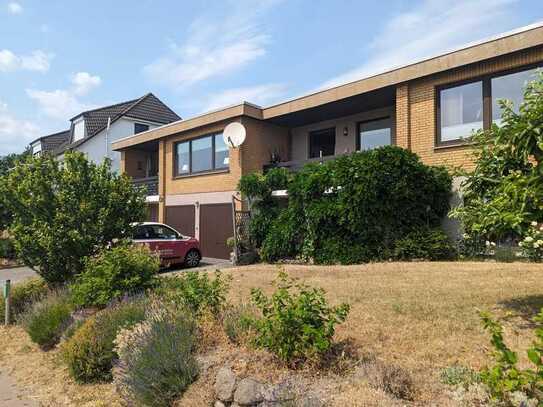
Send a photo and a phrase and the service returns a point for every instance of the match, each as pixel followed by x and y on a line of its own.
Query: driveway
pixel 16 274
pixel 23 273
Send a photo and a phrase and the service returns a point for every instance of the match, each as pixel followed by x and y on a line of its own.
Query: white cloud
pixel 83 82
pixel 15 134
pixel 15 8
pixel 38 61
pixel 429 29
pixel 216 46
pixel 63 104
pixel 260 95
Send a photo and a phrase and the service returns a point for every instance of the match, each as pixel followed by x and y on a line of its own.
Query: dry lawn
pixel 419 316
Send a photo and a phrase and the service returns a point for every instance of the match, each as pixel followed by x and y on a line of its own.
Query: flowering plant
pixel 532 244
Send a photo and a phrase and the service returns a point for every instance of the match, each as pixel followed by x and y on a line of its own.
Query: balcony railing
pixel 150 184
pixel 296 165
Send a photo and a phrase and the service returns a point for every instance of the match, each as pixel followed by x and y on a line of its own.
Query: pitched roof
pixel 147 107
pixel 53 141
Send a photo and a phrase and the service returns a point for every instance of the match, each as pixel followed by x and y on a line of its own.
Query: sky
pixel 59 58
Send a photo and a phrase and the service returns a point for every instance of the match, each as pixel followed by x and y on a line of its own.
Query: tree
pixel 504 192
pixel 66 211
pixel 6 164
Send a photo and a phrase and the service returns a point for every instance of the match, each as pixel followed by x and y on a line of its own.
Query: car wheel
pixel 192 258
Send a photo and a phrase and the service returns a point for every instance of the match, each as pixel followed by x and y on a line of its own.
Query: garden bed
pixel 421 317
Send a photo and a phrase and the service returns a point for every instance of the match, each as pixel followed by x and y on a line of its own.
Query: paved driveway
pixel 16 274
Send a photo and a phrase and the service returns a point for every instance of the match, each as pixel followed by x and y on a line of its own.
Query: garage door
pixel 215 228
pixel 181 218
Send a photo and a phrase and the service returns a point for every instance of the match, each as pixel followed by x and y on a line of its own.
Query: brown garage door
pixel 215 228
pixel 181 218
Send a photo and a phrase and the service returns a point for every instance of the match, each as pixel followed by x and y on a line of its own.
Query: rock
pixel 248 392
pixel 219 403
pixel 225 384
pixel 310 402
pixel 278 393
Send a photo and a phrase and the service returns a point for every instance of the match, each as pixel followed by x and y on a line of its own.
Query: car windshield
pixel 154 232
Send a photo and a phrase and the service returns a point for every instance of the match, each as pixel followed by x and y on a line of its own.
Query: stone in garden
pixel 311 402
pixel 219 404
pixel 277 393
pixel 248 392
pixel 225 384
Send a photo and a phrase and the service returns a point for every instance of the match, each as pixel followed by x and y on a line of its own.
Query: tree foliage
pixel 7 163
pixel 66 211
pixel 504 192
pixel 348 210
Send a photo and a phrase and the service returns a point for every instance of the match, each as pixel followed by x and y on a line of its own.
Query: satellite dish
pixel 234 134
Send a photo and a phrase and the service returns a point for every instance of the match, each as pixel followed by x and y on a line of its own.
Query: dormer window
pixel 79 130
pixel 36 148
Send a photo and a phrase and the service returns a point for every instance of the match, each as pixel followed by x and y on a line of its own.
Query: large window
pixel 374 133
pixel 322 143
pixel 472 106
pixel 461 110
pixel 510 87
pixel 202 154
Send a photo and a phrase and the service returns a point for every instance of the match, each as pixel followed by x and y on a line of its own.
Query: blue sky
pixel 58 58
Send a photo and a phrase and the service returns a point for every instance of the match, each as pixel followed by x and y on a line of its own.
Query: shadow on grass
pixel 524 307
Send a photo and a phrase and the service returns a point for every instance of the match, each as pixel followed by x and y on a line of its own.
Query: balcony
pixel 150 184
pixel 297 165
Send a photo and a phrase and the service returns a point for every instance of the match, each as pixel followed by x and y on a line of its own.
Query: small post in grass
pixel 7 289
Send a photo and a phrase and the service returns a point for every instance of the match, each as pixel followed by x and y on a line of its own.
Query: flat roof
pixel 512 41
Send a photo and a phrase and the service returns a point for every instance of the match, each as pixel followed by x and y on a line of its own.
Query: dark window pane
pixel 461 111
pixel 183 165
pixel 322 142
pixel 202 154
pixel 138 128
pixel 375 133
pixel 510 87
pixel 221 152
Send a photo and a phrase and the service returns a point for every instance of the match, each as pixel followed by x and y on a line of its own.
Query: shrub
pixel 45 321
pixel 346 210
pixel 297 324
pixel 156 364
pixel 23 295
pixel 532 244
pixel 238 321
pixel 90 352
pixel 459 376
pixel 115 272
pixel 392 379
pixel 7 249
pixel 505 379
pixel 63 212
pixel 196 291
pixel 426 244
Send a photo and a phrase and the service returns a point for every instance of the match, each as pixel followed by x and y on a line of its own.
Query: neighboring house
pixel 50 143
pixel 93 131
pixel 428 107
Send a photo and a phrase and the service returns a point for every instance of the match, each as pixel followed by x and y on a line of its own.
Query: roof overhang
pixel 244 109
pixel 504 44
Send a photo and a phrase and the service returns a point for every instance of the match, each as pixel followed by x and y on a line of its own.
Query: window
pixel 140 128
pixel 322 143
pixel 374 133
pixel 510 87
pixel 155 232
pixel 79 130
pixel 461 111
pixel 473 106
pixel 202 154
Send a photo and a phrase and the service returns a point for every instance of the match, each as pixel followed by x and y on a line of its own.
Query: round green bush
pixel 7 249
pixel 425 244
pixel 115 272
pixel 47 319
pixel 90 352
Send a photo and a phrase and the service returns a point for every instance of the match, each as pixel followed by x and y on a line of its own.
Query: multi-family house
pixel 93 131
pixel 428 107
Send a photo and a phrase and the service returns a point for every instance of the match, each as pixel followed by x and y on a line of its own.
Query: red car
pixel 171 246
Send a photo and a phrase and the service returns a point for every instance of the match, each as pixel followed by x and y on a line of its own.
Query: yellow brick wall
pixel 421 117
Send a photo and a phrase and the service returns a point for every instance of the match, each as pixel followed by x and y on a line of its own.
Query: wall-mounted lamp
pixel 345 131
